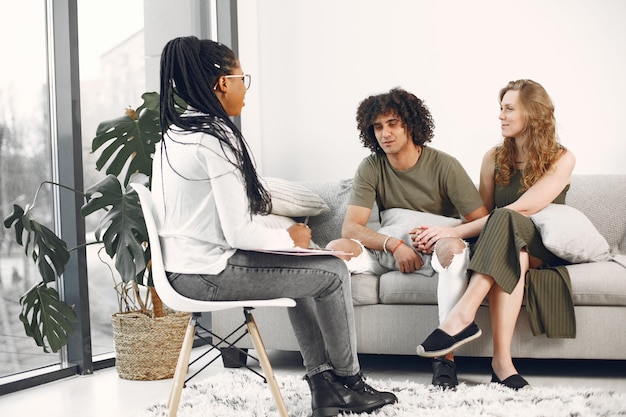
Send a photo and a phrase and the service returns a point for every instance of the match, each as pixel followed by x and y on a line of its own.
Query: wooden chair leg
pixel 265 363
pixel 181 368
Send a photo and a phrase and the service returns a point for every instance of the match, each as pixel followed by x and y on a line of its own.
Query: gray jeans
pixel 323 318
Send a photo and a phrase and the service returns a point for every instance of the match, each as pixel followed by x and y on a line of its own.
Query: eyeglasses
pixel 245 78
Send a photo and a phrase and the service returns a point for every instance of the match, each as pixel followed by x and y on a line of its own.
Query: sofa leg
pixel 234 357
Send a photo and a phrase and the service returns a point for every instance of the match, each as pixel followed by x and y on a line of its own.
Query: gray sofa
pixel 395 312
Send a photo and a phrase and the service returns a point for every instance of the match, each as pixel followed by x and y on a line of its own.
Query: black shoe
pixel 444 373
pixel 330 397
pixel 440 343
pixel 515 382
pixel 357 383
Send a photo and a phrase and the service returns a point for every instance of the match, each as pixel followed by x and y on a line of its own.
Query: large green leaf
pixel 49 253
pixel 129 140
pixel 122 229
pixel 46 318
pixel 16 217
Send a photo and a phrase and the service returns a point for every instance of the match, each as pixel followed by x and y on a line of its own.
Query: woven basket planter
pixel 147 348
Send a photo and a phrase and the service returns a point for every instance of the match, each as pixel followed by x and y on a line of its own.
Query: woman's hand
pixel 425 237
pixel 300 234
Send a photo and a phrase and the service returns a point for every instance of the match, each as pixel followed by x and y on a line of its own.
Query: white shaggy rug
pixel 239 393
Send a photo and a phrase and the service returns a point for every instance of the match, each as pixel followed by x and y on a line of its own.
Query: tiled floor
pixel 105 394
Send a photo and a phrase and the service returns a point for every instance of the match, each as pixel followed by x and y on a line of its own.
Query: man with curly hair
pixel 402 173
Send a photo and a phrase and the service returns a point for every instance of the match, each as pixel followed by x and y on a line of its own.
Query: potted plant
pixel 126 145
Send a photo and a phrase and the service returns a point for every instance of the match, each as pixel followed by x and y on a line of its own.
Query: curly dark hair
pixel 412 111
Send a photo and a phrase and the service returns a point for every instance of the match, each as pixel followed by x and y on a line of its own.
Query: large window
pixel 62 59
pixel 112 78
pixel 25 161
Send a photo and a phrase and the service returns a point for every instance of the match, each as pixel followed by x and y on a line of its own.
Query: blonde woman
pixel 529 170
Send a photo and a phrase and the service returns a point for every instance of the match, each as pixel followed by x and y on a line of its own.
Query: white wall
pixel 313 61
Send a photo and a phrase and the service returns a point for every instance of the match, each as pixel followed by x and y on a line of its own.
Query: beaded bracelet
pixel 385 244
pixel 397 246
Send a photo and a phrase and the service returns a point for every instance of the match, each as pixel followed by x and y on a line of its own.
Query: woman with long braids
pixel 525 173
pixel 208 191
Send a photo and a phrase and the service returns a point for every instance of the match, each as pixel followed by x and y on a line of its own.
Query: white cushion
pixel 398 222
pixel 294 200
pixel 570 235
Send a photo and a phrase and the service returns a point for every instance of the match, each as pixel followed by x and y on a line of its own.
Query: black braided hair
pixel 411 110
pixel 190 68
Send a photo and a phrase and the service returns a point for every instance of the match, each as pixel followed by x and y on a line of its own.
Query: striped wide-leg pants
pixel 548 294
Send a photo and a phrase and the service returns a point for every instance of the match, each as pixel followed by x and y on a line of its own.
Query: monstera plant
pixel 126 145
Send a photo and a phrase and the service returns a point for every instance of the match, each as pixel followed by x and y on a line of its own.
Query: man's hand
pixel 407 259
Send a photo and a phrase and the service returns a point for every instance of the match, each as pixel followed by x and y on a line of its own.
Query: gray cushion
pixel 364 289
pixel 398 288
pixel 327 226
pixel 598 283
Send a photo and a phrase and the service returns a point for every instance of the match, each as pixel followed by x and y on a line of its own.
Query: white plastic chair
pixel 179 302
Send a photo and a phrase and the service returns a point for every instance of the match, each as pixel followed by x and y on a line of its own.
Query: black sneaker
pixel 444 373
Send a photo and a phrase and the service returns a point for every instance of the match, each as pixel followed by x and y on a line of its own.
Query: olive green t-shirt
pixel 437 184
pixel 505 195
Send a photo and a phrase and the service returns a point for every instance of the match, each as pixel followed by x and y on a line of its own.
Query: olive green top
pixel 436 184
pixel 505 195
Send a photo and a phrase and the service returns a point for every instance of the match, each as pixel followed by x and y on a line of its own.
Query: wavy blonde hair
pixel 542 142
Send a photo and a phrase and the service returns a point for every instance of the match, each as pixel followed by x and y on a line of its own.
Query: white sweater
pixel 203 206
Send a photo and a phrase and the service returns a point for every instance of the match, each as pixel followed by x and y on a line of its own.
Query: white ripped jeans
pixel 452 280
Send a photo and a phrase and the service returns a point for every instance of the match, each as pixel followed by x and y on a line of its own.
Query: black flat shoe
pixel 515 382
pixel 440 343
pixel 444 373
